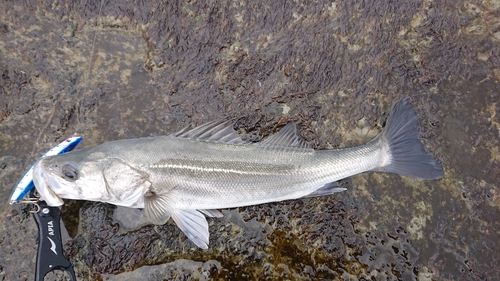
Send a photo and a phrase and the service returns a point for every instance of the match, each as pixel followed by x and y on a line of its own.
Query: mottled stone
pixel 120 69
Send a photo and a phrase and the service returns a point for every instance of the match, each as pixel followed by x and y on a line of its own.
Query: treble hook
pixel 33 202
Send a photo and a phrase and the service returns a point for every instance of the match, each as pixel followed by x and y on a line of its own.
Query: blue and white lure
pixel 26 184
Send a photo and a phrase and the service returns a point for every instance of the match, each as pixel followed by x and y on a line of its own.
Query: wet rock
pixel 112 70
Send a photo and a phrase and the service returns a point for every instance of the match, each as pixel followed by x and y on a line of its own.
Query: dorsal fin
pixel 215 131
pixel 286 137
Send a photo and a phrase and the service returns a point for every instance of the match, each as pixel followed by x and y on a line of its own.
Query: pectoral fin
pixel 194 225
pixel 157 207
pixel 192 222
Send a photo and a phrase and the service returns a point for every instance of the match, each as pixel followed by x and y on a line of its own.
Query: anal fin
pixel 326 189
pixel 212 213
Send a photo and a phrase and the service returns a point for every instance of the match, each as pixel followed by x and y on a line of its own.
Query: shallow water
pixel 334 68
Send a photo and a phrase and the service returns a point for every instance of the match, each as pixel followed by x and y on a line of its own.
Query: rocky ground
pixel 121 69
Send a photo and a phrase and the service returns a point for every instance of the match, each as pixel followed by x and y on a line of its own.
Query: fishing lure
pixel 26 184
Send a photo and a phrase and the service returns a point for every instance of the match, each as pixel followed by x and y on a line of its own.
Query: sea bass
pixel 190 174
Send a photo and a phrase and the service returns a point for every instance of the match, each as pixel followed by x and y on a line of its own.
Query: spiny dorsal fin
pixel 286 137
pixel 215 131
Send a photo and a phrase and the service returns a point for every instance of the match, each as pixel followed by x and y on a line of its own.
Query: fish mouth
pixel 42 185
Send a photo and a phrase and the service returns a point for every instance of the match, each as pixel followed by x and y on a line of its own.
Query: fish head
pixel 88 175
pixel 73 176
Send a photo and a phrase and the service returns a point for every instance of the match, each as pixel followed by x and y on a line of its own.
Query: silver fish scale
pixel 200 174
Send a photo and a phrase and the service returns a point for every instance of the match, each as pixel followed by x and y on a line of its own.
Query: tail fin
pixel 407 155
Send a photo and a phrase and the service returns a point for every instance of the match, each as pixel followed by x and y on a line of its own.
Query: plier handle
pixel 50 252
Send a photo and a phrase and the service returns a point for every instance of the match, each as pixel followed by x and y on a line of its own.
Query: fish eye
pixel 69 172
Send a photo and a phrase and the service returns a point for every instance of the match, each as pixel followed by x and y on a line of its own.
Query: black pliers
pixel 50 253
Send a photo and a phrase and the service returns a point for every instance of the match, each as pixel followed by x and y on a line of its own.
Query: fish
pixel 26 183
pixel 189 175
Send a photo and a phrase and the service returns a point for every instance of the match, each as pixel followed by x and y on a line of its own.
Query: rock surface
pixel 122 69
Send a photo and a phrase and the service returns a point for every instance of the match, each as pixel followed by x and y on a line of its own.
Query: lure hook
pixel 33 202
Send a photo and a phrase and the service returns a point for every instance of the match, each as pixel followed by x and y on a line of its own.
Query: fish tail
pixel 405 153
